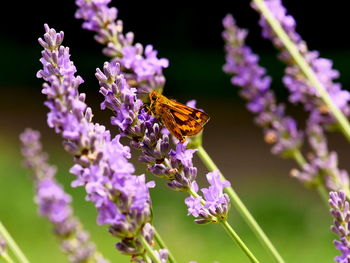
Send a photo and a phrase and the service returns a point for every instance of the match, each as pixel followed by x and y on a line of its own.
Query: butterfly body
pixel 182 121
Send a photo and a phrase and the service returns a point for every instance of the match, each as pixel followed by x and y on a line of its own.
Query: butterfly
pixel 182 121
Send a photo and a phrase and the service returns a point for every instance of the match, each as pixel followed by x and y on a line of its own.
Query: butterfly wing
pixel 169 121
pixel 186 124
pixel 180 119
pixel 199 116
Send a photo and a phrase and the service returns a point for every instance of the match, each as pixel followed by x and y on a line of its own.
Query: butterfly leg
pixel 147 108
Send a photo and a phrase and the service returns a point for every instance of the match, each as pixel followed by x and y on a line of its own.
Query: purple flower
pixel 145 132
pixel 323 164
pixel 144 67
pixel 148 233
pixel 280 130
pixel 181 162
pixel 121 198
pixel 141 65
pixel 117 84
pixel 119 97
pixel 341 219
pixel 54 203
pixel 214 205
pixel 191 104
pixel 299 87
pixel 148 136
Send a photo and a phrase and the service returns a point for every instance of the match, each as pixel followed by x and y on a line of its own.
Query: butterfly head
pixel 154 96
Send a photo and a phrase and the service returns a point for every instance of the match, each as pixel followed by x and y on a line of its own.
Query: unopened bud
pixel 270 137
pixel 294 172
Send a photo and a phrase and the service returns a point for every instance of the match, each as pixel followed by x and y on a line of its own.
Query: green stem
pixel 242 209
pixel 149 250
pixel 194 194
pixel 12 245
pixel 304 66
pixel 161 244
pixel 336 179
pixel 299 158
pixel 147 259
pixel 230 231
pixel 239 241
pixel 323 193
pixel 347 193
pixel 6 257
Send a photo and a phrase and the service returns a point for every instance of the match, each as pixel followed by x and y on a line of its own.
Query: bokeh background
pixel 188 34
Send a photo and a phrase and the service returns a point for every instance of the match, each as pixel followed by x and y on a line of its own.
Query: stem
pixel 323 193
pixel 335 178
pixel 230 231
pixel 321 189
pixel 12 245
pixel 304 66
pixel 239 242
pixel 194 194
pixel 149 250
pixel 162 245
pixel 147 259
pixel 298 157
pixel 242 209
pixel 347 193
pixel 7 258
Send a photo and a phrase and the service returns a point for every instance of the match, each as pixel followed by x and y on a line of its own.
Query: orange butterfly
pixel 180 120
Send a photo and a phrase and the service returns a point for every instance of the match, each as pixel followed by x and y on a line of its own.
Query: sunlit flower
pixel 101 162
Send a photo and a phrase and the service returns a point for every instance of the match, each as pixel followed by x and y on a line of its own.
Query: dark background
pixel 188 34
pixel 178 31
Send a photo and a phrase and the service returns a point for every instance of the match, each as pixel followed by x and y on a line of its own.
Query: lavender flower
pixel 121 198
pixel 299 87
pixel 341 219
pixel 280 130
pixel 323 165
pixel 145 132
pixel 54 203
pixel 148 233
pixel 147 135
pixel 115 81
pixel 215 204
pixel 141 65
pixel 119 97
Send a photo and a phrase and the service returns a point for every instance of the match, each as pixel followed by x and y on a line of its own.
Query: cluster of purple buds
pixel 298 85
pixel 147 136
pixel 117 81
pixel 148 233
pixel 54 203
pixel 121 198
pixel 145 132
pixel 214 205
pixel 279 129
pixel 322 166
pixel 141 66
pixel 341 219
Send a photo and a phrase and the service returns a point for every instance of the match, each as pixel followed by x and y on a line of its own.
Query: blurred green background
pixel 293 217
